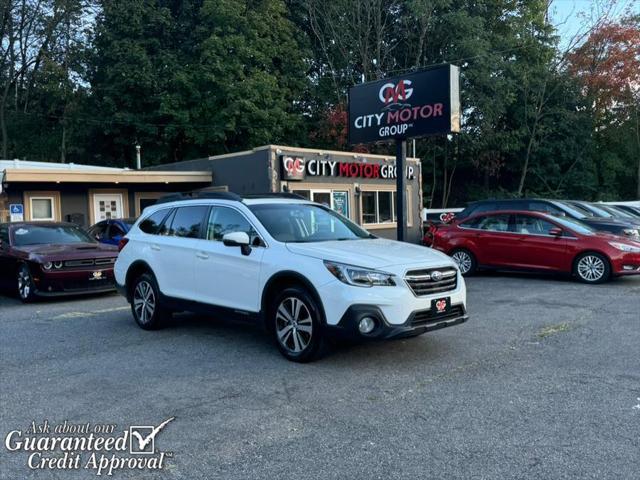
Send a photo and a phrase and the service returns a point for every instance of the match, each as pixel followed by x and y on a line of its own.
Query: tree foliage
pixel 87 80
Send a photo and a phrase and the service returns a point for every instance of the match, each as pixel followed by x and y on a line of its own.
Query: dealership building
pixel 85 194
pixel 360 186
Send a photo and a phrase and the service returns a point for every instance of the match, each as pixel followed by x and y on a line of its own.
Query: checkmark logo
pixel 142 438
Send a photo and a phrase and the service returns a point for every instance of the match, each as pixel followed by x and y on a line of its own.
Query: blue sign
pixel 16 209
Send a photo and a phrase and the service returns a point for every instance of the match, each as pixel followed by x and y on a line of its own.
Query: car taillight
pixel 121 244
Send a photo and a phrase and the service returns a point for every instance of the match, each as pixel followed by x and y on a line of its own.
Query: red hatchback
pixel 521 240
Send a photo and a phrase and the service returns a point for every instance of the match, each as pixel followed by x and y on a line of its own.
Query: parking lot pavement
pixel 542 382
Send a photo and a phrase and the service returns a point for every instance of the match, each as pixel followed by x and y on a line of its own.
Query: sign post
pixel 401 221
pixel 412 105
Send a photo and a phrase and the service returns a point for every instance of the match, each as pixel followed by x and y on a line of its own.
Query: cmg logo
pixel 390 93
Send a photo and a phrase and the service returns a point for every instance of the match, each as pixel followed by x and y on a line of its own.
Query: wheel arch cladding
pixel 136 269
pixel 282 280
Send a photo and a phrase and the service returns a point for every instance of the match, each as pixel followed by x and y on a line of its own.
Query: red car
pixel 47 259
pixel 522 240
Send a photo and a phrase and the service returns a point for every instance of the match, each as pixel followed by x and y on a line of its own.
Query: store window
pixel 42 208
pixel 378 207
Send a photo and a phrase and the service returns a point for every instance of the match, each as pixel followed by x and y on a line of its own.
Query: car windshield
pixel 575 225
pixel 600 212
pixel 617 212
pixel 569 209
pixel 306 222
pixel 54 234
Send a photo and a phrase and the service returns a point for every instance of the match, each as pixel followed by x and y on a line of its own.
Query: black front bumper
pixel 419 322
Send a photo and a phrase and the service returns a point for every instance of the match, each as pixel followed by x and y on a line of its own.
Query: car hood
pixel 372 253
pixel 608 222
pixel 69 251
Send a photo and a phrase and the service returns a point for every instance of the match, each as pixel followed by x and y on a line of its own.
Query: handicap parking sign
pixel 17 212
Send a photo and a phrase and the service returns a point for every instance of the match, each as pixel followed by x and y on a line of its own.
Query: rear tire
pixel 592 268
pixel 26 288
pixel 296 324
pixel 146 308
pixel 465 260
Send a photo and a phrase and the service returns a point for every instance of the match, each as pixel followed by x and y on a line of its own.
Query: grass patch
pixel 553 329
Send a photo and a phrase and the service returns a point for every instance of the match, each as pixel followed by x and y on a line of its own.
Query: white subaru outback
pixel 299 267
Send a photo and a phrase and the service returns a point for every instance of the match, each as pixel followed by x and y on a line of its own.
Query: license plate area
pixel 440 306
pixel 97 275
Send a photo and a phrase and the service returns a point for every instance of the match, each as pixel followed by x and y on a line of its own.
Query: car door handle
pixel 202 255
pixel 155 247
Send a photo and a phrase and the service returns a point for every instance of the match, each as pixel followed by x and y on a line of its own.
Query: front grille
pixel 82 285
pixel 432 280
pixel 426 317
pixel 105 261
pixel 89 262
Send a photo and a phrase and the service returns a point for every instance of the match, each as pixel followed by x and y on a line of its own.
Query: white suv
pixel 298 266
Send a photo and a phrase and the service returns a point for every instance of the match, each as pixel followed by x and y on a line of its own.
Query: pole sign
pixel 411 105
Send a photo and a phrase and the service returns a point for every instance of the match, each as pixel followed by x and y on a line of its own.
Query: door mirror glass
pixel 236 239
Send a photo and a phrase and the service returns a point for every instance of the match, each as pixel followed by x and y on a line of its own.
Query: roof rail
pixel 292 196
pixel 174 197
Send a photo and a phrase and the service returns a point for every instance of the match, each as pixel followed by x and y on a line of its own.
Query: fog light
pixel 366 325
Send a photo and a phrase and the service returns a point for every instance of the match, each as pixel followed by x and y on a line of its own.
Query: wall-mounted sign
pixel 412 105
pixel 293 168
pixel 16 211
pixel 297 168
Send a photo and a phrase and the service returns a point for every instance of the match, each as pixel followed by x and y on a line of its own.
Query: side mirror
pixel 556 232
pixel 237 239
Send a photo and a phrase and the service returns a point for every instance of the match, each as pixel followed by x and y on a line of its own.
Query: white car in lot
pixel 302 269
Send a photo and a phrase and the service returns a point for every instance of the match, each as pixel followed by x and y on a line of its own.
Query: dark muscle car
pixel 50 259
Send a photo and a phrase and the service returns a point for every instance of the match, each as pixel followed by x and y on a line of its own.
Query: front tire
pixel 466 261
pixel 145 303
pixel 25 286
pixel 592 268
pixel 295 321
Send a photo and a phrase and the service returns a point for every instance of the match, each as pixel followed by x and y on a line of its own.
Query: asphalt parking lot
pixel 542 382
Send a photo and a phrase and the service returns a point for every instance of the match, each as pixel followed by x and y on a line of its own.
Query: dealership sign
pixel 298 168
pixel 412 105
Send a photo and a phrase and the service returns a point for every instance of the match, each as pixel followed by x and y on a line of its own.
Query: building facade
pixel 85 194
pixel 361 187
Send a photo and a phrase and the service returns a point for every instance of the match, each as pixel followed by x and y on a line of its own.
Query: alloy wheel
pixel 294 325
pixel 24 283
pixel 591 268
pixel 463 260
pixel 144 301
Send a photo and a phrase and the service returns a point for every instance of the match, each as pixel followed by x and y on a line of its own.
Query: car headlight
pixel 358 276
pixel 57 264
pixel 47 265
pixel 625 247
pixel 631 232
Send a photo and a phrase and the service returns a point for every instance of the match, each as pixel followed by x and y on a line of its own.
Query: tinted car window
pixel 152 223
pixel 187 220
pixel 98 230
pixel 494 223
pixel 116 230
pixel 223 220
pixel 531 225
